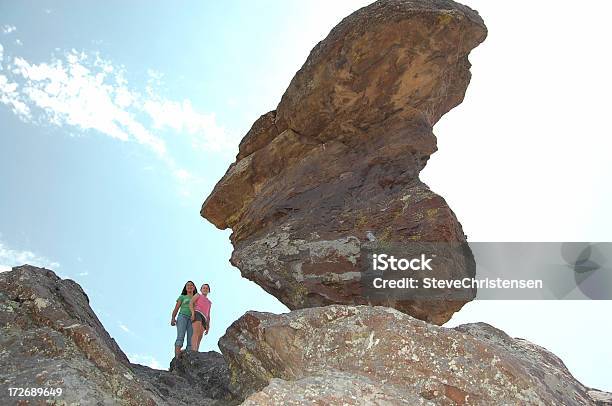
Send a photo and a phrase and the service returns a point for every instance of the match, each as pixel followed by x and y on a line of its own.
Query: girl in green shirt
pixel 183 322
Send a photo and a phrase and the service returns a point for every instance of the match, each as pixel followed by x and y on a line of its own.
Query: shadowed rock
pixel 194 379
pixel 341 353
pixel 337 164
pixel 207 372
pixel 51 338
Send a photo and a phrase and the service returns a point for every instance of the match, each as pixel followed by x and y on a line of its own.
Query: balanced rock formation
pixel 339 355
pixel 51 338
pixel 333 173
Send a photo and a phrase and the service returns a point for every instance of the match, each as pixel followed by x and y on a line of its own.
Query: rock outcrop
pixel 51 338
pixel 333 172
pixel 193 379
pixel 206 371
pixel 334 355
pixel 363 355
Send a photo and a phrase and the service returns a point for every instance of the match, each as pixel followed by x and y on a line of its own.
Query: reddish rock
pixel 347 354
pixel 337 164
pixel 333 389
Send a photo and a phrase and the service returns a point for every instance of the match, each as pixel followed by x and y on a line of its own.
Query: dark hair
pixel 184 292
pixel 206 285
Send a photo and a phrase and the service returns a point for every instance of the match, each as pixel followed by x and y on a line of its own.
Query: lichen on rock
pixel 340 353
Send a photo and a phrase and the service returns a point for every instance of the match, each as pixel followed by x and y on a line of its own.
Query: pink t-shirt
pixel 202 304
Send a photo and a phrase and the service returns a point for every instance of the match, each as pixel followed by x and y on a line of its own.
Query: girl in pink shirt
pixel 200 315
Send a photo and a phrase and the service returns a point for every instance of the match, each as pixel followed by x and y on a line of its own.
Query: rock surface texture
pixel 335 168
pixel 50 337
pixel 193 379
pixel 206 371
pixel 334 355
pixel 360 355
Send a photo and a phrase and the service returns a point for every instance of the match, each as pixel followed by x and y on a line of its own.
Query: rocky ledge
pixel 377 355
pixel 334 170
pixel 333 355
pixel 50 337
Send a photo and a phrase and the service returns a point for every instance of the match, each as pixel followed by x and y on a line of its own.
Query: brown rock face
pixel 361 355
pixel 337 164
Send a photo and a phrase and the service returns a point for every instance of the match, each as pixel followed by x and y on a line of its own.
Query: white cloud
pixel 205 133
pixel 187 183
pixel 10 97
pixel 7 29
pixel 87 93
pixel 83 273
pixel 146 360
pixel 12 257
pixel 72 93
pixel 124 327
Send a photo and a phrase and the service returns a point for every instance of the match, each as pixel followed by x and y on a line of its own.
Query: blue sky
pixel 108 192
pixel 117 121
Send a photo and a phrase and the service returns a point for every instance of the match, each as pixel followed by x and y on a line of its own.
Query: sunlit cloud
pixel 10 257
pixel 124 327
pixel 205 133
pixel 10 97
pixel 86 93
pixel 80 93
pixel 7 29
pixel 146 360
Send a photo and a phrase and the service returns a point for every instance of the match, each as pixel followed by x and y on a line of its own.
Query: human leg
pixel 181 328
pixel 201 321
pixel 197 331
pixel 189 333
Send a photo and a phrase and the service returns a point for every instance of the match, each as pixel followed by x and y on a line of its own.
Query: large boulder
pixel 333 173
pixel 358 352
pixel 51 338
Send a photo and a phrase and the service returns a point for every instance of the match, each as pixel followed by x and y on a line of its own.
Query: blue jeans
pixel 183 324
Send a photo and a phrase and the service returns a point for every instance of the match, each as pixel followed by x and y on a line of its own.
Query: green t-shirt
pixel 184 300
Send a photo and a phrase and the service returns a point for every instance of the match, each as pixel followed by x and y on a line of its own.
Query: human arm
pixel 174 312
pixel 191 306
pixel 207 324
